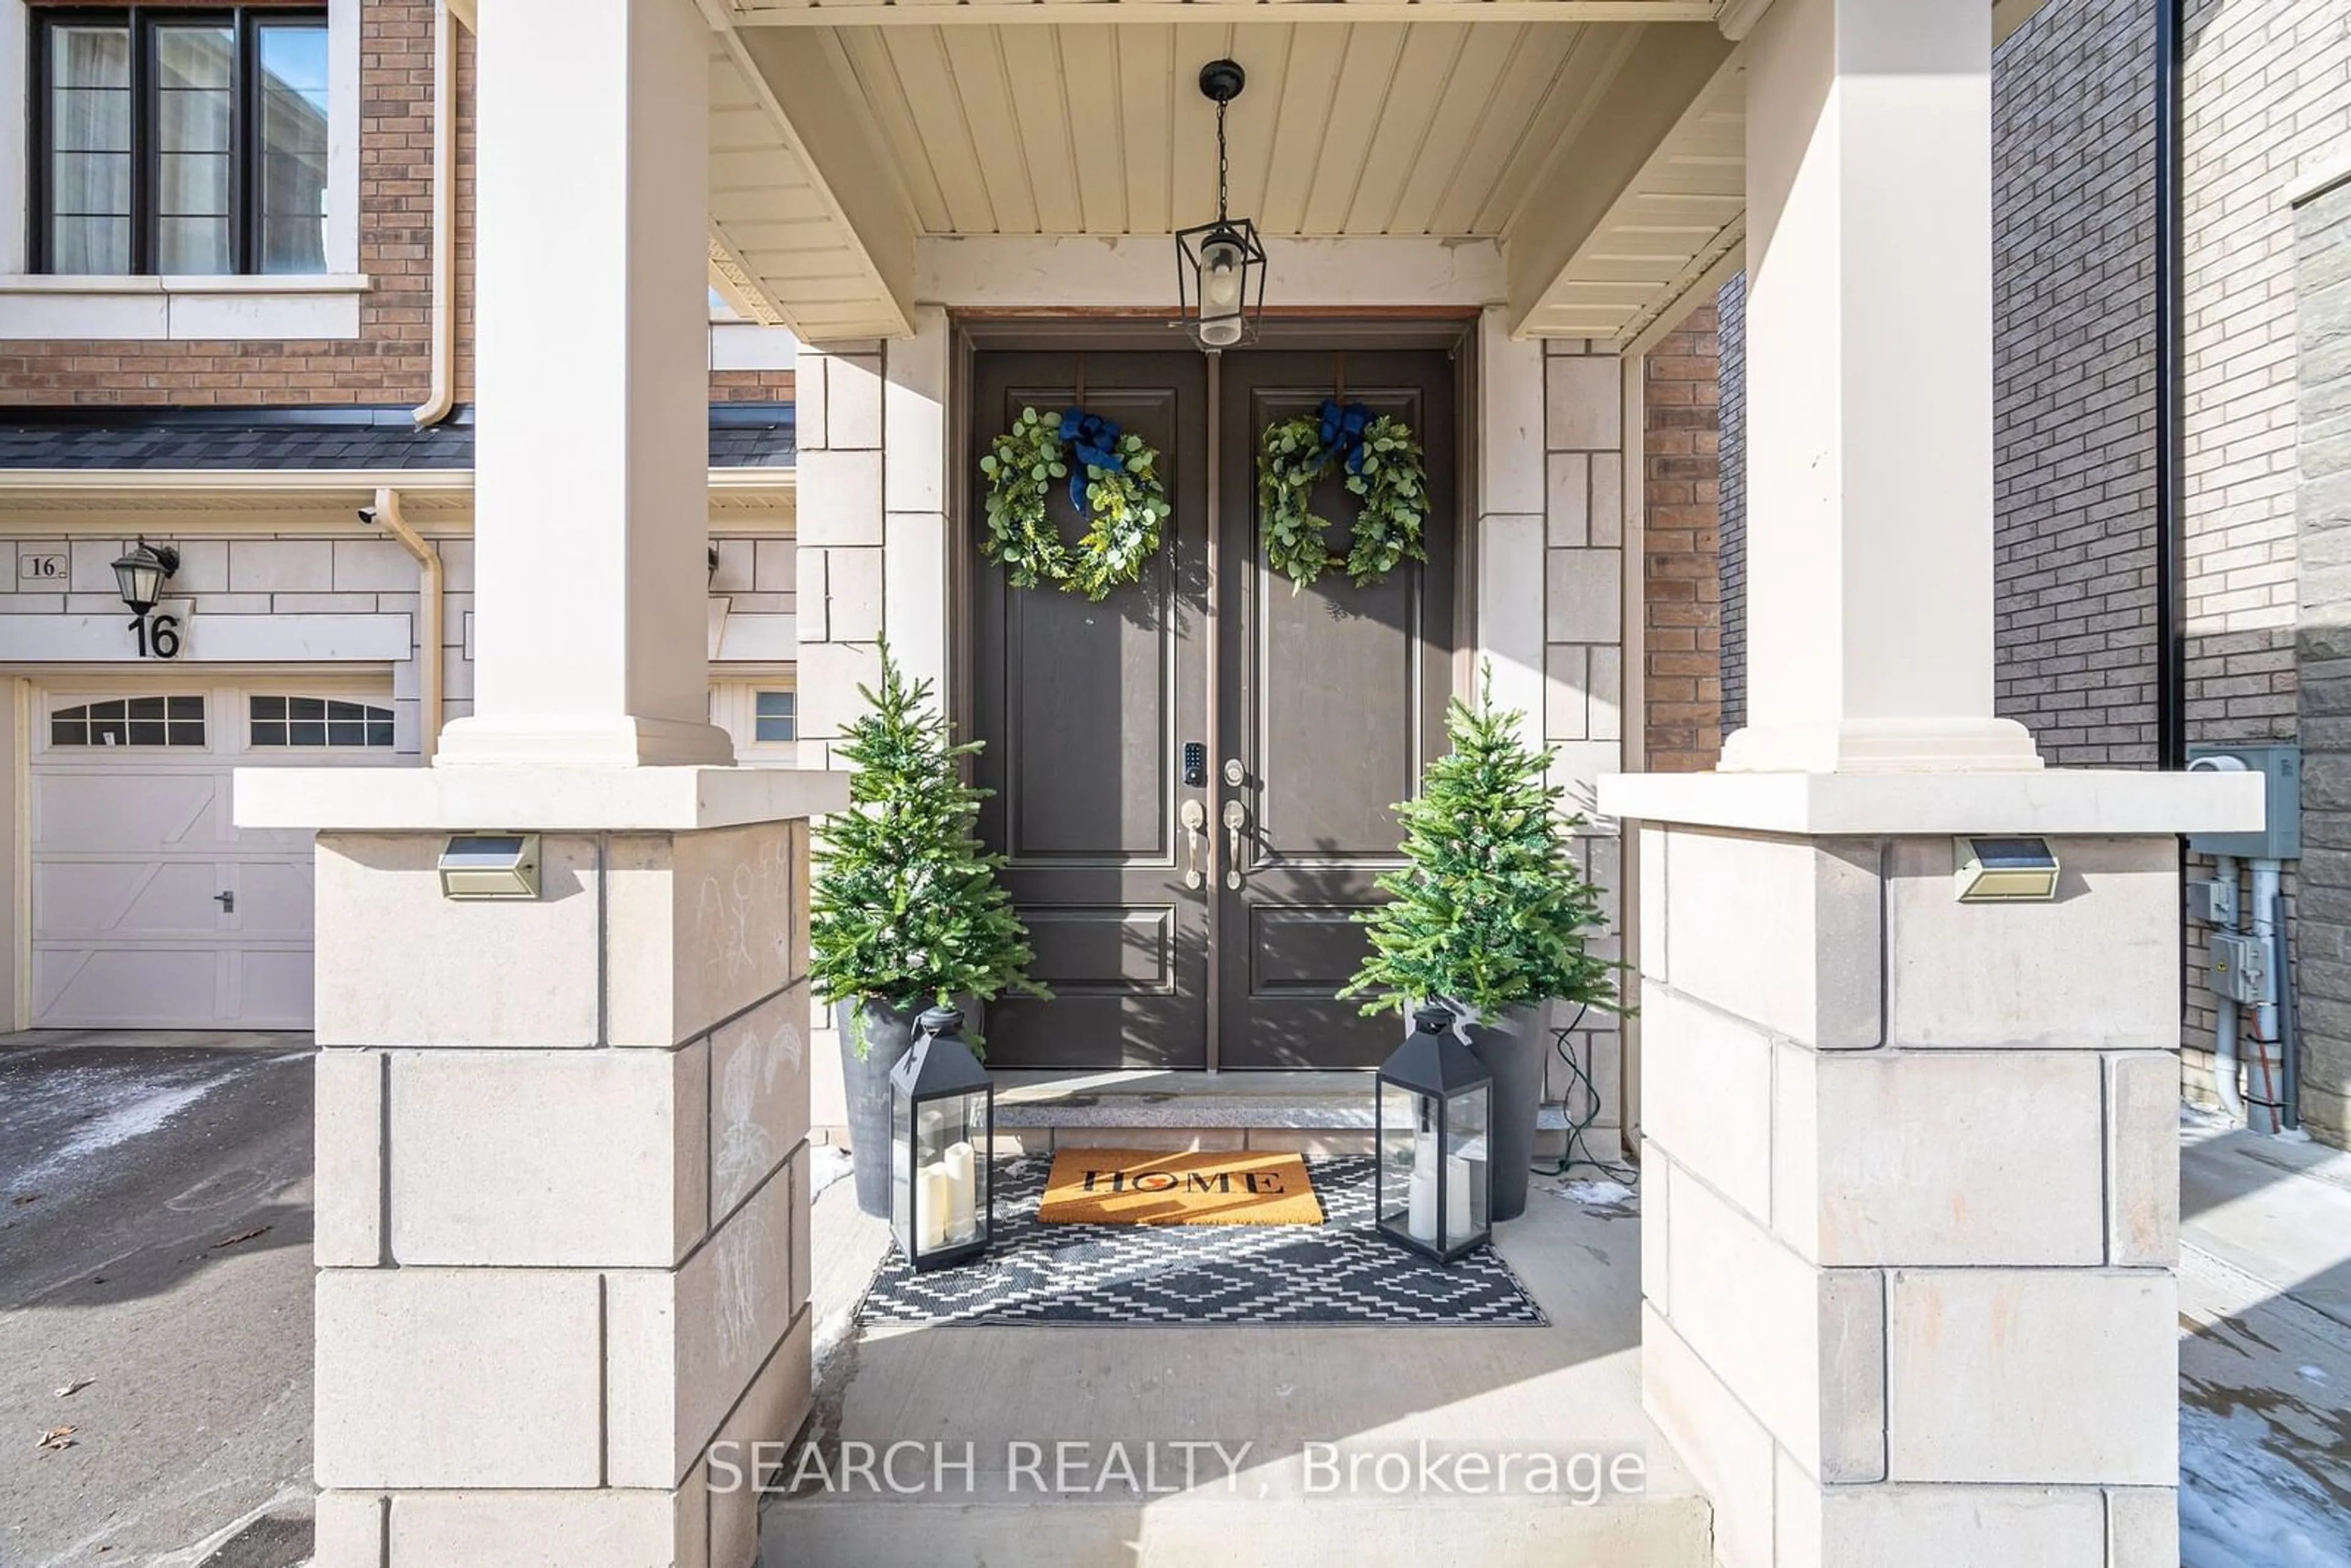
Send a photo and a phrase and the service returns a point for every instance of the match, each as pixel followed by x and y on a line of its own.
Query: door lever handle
pixel 1194 817
pixel 227 901
pixel 1235 821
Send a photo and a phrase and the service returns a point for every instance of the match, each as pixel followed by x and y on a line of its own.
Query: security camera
pixel 367 515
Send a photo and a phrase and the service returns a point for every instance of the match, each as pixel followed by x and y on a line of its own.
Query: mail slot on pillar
pixel 942 1126
pixel 1433 1186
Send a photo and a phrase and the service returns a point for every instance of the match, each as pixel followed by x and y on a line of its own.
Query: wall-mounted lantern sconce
pixel 142 572
pixel 1221 265
pixel 490 865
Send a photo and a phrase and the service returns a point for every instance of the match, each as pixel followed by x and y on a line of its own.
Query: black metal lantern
pixel 942 1126
pixel 1221 265
pixel 1433 1182
pixel 140 574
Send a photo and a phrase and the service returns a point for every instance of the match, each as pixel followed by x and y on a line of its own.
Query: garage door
pixel 151 908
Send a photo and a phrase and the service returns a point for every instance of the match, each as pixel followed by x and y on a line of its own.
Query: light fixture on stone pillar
pixel 1432 1186
pixel 1221 265
pixel 140 574
pixel 942 1126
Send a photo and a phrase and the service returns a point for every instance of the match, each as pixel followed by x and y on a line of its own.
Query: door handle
pixel 1235 821
pixel 227 901
pixel 1194 817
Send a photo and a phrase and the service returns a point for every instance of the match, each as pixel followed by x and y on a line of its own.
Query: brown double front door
pixel 1193 803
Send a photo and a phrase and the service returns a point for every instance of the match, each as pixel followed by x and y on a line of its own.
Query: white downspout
pixel 441 393
pixel 2224 1028
pixel 2263 1115
pixel 428 618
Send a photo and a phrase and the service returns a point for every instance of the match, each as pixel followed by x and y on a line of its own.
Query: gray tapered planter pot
pixel 1511 1045
pixel 889 1034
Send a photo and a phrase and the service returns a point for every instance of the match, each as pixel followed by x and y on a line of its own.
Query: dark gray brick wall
pixel 2323 652
pixel 1730 311
pixel 2074 471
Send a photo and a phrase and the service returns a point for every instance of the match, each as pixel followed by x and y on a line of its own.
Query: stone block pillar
pixel 562 1162
pixel 1910 1188
pixel 562 1158
pixel 1910 1178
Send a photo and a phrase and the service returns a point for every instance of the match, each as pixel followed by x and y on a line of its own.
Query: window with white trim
pixel 774 717
pixel 293 721
pixel 171 141
pixel 130 721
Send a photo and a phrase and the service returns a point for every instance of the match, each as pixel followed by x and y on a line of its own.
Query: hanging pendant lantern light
pixel 1221 265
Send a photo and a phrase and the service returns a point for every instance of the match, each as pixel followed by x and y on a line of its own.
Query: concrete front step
pixel 1570 1389
pixel 1194 1530
pixel 1302 1112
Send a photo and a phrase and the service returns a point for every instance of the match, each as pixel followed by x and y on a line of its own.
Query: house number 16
pixel 159 636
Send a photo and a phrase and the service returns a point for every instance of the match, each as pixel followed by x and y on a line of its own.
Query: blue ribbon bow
pixel 1343 432
pixel 1095 440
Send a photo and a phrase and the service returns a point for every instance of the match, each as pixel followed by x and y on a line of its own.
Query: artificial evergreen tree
pixel 1489 908
pixel 904 908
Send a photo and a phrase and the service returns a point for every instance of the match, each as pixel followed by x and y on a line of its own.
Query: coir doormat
pixel 1161 1276
pixel 1155 1186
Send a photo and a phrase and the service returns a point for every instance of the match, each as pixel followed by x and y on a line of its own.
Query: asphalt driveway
pixel 155 1261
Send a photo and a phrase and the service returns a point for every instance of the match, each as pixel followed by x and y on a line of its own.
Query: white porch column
pixel 1909 1179
pixel 1869 636
pixel 591 344
pixel 563 1183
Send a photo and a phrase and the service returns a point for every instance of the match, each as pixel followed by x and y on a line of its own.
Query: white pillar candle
pixel 1424 1154
pixel 934 1199
pixel 962 1177
pixel 1457 1200
pixel 1420 1215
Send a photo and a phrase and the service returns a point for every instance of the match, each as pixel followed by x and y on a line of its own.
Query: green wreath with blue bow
pixel 1113 479
pixel 1382 461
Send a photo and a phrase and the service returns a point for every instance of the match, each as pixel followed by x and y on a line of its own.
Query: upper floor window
pixel 176 142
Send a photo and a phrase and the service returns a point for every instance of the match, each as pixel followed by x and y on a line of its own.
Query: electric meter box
pixel 2281 834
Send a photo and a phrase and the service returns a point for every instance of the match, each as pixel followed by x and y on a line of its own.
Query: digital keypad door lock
pixel 1196 765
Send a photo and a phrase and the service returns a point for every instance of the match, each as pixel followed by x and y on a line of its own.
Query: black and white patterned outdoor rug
pixel 1340 1271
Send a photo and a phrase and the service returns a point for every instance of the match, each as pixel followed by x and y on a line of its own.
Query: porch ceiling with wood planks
pixel 1601 143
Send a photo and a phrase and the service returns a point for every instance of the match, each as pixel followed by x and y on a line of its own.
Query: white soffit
pixel 829 253
pixel 1372 129
pixel 1628 263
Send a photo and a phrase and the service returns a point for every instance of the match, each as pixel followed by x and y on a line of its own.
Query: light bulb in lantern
pixel 1220 276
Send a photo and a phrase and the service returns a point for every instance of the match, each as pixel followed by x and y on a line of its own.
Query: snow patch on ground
pixel 91 1112
pixel 831 1330
pixel 2242 1506
pixel 1596 1193
pixel 827 1165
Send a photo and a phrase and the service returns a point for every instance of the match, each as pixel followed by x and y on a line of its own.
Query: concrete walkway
pixel 1273 1396
pixel 133 1166
pixel 155 1259
pixel 2264 1352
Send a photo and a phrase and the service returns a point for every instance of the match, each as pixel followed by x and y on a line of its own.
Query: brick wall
pixel 1681 589
pixel 2074 399
pixel 2323 948
pixel 750 386
pixel 2267 93
pixel 390 361
pixel 2268 88
pixel 1730 525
